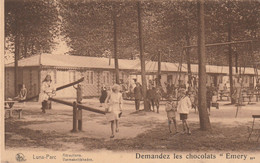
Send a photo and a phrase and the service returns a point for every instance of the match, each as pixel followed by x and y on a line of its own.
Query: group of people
pixel 185 99
pixel 181 105
pixel 113 101
pixel 114 105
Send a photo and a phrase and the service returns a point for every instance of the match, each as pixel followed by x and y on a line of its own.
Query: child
pixel 183 108
pixel 47 90
pixel 79 93
pixel 215 100
pixel 193 95
pixel 171 108
pixel 151 97
pixel 103 96
pixel 22 94
pixel 158 96
pixel 114 102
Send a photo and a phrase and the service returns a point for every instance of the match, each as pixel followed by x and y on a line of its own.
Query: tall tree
pixel 95 21
pixel 114 12
pixel 30 27
pixel 203 113
pixel 142 59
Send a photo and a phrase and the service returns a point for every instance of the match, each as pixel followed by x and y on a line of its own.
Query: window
pixel 72 76
pixel 106 77
pixel 89 77
pixel 246 79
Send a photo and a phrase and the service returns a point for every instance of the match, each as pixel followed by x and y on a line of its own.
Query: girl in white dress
pixel 114 103
pixel 47 90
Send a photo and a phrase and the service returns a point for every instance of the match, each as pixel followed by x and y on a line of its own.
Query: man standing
pixel 138 95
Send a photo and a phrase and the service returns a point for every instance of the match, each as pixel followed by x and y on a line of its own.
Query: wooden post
pixel 75 121
pixel 203 113
pixel 10 113
pixel 79 118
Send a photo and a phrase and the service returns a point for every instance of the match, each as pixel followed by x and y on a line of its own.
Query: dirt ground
pixel 138 131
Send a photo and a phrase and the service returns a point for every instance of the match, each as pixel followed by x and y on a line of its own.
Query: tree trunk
pixel 115 44
pixel 159 69
pixel 188 52
pixel 16 58
pixel 32 48
pixel 25 46
pixel 236 62
pixel 203 113
pixel 142 59
pixel 230 65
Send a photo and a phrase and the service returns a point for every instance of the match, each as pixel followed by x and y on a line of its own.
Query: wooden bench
pixel 223 94
pixel 253 129
pixel 10 111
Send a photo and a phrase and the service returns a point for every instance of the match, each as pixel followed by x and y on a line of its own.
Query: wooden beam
pixel 220 43
pixel 59 88
pixel 80 106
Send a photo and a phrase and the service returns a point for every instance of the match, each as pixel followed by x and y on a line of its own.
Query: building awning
pixel 79 62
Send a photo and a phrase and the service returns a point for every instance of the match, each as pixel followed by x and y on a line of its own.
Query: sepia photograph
pixel 130 81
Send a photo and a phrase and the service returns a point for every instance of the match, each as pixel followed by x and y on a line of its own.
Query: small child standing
pixel 171 108
pixel 183 108
pixel 79 93
pixel 103 96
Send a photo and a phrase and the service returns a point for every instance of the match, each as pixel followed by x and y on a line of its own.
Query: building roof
pixel 70 61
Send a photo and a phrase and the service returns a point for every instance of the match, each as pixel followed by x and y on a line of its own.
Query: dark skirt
pixel 183 116
pixel 103 96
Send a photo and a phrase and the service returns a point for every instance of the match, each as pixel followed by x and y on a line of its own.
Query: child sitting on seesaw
pixel 171 109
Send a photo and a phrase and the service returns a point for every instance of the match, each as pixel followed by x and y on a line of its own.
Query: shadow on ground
pixel 221 137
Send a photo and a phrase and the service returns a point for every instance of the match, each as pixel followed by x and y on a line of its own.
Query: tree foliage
pixel 32 23
pixel 167 27
pixel 243 17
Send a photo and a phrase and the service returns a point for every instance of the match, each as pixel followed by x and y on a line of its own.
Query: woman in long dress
pixel 47 90
pixel 114 103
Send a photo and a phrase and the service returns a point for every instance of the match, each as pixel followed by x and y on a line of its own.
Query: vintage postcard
pixel 130 81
